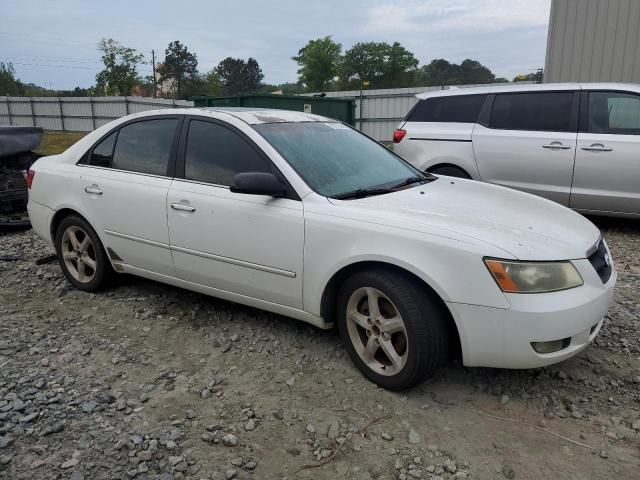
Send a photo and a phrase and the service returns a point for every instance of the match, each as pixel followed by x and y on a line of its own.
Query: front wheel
pixel 81 255
pixel 393 328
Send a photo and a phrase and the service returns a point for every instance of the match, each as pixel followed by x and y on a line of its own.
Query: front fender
pixel 454 269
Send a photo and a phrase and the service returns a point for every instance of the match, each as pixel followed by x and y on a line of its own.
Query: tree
pixel 120 74
pixel 179 67
pixel 9 85
pixel 400 67
pixel 441 72
pixel 319 62
pixel 237 76
pixel 365 61
pixel 472 71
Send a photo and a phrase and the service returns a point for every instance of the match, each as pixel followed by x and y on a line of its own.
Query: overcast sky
pixel 53 42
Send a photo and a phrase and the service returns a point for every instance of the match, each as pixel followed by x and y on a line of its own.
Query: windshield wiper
pixel 410 181
pixel 362 192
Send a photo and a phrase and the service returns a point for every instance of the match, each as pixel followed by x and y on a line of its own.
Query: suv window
pixel 539 111
pixel 457 109
pixel 215 154
pixel 145 146
pixel 614 112
pixel 102 154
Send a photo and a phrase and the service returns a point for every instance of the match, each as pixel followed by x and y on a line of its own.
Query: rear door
pixel 607 173
pixel 527 141
pixel 124 184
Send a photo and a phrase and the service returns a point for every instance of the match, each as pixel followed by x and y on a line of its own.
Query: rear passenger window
pixel 145 146
pixel 215 154
pixel 540 111
pixel 102 153
pixel 614 112
pixel 457 109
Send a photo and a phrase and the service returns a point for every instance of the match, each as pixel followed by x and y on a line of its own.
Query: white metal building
pixel 593 41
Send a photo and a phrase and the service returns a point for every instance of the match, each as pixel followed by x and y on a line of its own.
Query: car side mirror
pixel 258 183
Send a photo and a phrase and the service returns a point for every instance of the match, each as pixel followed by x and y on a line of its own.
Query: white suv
pixel 576 144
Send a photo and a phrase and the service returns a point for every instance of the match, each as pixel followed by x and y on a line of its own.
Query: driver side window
pixel 215 154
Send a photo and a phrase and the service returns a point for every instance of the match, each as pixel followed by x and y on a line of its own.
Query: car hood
pixel 523 225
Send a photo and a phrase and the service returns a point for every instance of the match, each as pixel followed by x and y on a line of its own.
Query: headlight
pixel 533 277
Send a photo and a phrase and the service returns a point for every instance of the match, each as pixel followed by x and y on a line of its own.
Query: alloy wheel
pixel 79 254
pixel 377 331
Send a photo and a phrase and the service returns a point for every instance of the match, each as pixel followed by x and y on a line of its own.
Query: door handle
pixel 182 207
pixel 597 147
pixel 93 189
pixel 556 146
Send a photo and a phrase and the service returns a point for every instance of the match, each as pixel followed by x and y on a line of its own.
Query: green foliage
pixel 180 67
pixel 286 88
pixel 9 85
pixel 441 72
pixel 238 76
pixel 319 62
pixel 400 67
pixel 120 73
pixel 365 61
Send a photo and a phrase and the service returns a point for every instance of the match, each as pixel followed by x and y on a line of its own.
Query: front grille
pixel 602 262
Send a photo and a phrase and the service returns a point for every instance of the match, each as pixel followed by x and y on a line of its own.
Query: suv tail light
pixel 398 135
pixel 29 176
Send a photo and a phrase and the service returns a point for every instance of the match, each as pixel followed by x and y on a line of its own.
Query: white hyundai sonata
pixel 306 217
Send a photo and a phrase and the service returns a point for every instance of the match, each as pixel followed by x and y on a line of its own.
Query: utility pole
pixel 153 61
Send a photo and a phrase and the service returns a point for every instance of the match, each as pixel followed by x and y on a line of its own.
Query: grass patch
pixel 54 142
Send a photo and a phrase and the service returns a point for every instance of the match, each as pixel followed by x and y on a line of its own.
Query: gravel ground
pixel 147 381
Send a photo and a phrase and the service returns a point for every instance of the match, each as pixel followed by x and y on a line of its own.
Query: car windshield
pixel 336 160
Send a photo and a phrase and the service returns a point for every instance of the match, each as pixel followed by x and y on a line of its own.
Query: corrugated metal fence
pixel 79 114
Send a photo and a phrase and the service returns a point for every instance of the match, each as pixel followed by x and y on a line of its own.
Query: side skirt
pixel 225 295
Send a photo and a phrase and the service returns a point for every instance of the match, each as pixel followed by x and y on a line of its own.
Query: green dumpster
pixel 338 108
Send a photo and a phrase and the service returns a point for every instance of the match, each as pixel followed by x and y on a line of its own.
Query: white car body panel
pixel 280 254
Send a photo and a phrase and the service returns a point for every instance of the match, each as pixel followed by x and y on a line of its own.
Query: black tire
pixel 103 271
pixel 424 320
pixel 450 171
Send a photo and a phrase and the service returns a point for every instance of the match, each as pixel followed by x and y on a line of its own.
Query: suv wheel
pixel 450 171
pixel 393 330
pixel 81 255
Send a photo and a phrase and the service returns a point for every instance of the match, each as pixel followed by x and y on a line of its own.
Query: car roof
pixel 254 116
pixel 251 116
pixel 529 87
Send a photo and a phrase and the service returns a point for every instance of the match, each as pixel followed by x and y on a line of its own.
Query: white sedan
pixel 306 217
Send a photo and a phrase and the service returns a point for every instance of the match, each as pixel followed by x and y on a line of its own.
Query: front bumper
pixel 501 338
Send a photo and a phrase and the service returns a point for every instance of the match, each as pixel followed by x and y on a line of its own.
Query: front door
pixel 250 245
pixel 607 173
pixel 529 143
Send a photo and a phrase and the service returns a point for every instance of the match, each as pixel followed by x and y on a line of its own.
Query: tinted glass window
pixel 215 154
pixel 458 109
pixel 334 159
pixel 145 146
pixel 612 112
pixel 102 153
pixel 544 111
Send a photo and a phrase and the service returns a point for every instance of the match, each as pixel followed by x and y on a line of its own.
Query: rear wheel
pixel 450 171
pixel 394 331
pixel 81 254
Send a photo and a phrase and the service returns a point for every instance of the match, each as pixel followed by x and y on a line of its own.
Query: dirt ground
pixel 147 381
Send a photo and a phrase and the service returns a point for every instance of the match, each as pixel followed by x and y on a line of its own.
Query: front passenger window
pixel 215 154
